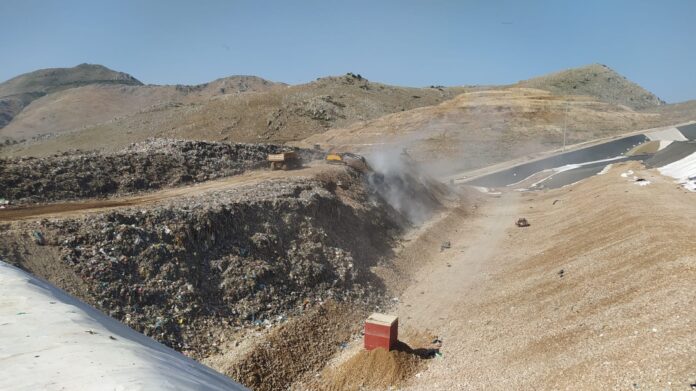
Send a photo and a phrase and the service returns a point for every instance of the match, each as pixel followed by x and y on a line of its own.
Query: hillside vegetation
pixel 598 81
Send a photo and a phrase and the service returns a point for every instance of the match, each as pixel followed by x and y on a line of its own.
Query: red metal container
pixel 381 331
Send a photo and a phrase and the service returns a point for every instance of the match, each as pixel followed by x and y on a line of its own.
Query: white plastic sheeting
pixel 666 134
pixel 683 170
pixel 52 341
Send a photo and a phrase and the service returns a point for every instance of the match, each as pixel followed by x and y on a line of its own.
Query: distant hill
pixel 20 91
pixel 597 81
pixel 251 109
pixel 276 113
pixel 88 105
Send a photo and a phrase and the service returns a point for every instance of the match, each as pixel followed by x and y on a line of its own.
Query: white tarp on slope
pixel 682 170
pixel 668 134
pixel 52 341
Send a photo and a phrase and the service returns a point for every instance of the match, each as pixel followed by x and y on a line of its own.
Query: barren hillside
pixel 93 104
pixel 19 91
pixel 675 112
pixel 598 81
pixel 278 114
pixel 485 127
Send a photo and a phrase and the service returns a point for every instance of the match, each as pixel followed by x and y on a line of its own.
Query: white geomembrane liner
pixel 684 171
pixel 52 341
pixel 668 134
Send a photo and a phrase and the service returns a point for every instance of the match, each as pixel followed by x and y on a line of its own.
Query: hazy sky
pixel 415 43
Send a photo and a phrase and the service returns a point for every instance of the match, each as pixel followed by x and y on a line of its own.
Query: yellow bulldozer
pixel 349 159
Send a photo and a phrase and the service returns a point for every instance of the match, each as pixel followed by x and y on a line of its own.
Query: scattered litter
pixel 486 190
pixel 605 169
pixel 561 273
pixel 38 238
pixel 522 222
pixel 626 174
pixel 555 201
pixel 91 332
pixel 445 245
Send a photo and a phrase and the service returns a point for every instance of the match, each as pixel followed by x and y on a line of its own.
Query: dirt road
pixel 76 208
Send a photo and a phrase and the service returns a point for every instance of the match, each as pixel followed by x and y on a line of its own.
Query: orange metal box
pixel 381 331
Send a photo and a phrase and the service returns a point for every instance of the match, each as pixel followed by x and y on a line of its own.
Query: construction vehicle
pixel 348 159
pixel 284 160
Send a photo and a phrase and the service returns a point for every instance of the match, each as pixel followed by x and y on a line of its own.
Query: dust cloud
pixel 398 179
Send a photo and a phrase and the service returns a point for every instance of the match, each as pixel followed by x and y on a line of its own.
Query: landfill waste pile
pixel 149 165
pixel 245 256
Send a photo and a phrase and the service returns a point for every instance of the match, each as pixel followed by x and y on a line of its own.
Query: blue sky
pixel 415 43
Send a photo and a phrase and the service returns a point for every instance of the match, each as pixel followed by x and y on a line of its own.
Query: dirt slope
pixel 598 81
pixel 596 294
pixel 19 91
pixel 480 128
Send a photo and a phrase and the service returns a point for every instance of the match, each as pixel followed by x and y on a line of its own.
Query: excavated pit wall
pixel 150 165
pixel 250 255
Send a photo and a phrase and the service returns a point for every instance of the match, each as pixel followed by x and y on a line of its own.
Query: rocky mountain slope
pixel 250 109
pixel 20 91
pixel 598 81
pixel 278 114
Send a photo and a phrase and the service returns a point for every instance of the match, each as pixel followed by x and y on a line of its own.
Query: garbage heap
pixel 248 256
pixel 149 165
